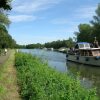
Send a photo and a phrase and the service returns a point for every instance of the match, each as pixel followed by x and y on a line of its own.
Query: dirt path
pixel 4 57
pixel 8 79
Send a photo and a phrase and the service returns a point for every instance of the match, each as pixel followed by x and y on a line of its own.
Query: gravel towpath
pixel 4 57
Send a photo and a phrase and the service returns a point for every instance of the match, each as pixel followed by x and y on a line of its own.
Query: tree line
pixel 60 43
pixel 6 40
pixel 54 44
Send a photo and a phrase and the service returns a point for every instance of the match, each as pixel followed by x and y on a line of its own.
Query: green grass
pixel 38 81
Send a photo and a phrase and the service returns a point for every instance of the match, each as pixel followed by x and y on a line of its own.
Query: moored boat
pixel 85 53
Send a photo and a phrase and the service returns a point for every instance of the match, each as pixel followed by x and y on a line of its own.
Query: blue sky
pixel 40 21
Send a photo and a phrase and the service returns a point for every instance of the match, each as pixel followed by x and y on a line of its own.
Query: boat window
pixel 81 45
pixel 87 45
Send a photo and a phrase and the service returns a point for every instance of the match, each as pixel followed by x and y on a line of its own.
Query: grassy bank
pixel 38 81
pixel 8 80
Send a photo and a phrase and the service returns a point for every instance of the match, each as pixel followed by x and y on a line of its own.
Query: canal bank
pixel 38 81
pixel 89 75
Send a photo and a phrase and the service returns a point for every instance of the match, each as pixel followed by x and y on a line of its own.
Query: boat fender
pixel 86 59
pixel 77 58
pixel 97 57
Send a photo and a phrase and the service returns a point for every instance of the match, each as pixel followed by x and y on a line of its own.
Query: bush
pixel 38 81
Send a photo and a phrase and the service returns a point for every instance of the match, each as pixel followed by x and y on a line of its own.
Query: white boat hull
pixel 89 60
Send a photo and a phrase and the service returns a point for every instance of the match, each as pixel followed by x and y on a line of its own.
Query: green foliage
pixel 58 44
pixel 4 19
pixel 87 32
pixel 38 45
pixel 55 44
pixel 5 39
pixel 5 4
pixel 38 81
pixel 97 16
pixel 96 24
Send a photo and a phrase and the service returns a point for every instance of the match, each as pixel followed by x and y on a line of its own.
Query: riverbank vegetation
pixel 38 81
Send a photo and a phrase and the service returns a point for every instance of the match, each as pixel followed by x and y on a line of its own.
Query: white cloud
pixel 60 21
pixel 22 18
pixel 67 30
pixel 67 21
pixel 85 12
pixel 28 6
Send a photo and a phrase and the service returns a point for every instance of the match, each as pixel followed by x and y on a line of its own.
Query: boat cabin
pixel 82 45
pixel 85 49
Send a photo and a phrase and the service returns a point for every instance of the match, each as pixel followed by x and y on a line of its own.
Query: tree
pixel 97 17
pixel 85 33
pixel 70 43
pixel 5 4
pixel 58 44
pixel 4 19
pixel 5 39
pixel 96 24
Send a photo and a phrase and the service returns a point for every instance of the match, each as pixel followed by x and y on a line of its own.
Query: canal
pixel 89 75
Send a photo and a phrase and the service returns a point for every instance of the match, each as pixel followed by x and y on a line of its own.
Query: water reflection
pixel 89 75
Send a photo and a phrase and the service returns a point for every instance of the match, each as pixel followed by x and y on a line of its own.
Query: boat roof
pixel 83 43
pixel 89 48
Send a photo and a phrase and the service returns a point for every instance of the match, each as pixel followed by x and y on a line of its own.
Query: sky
pixel 41 21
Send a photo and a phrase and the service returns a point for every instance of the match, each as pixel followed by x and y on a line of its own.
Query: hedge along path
pixel 8 79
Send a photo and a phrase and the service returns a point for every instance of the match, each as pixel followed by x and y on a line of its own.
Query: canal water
pixel 89 75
